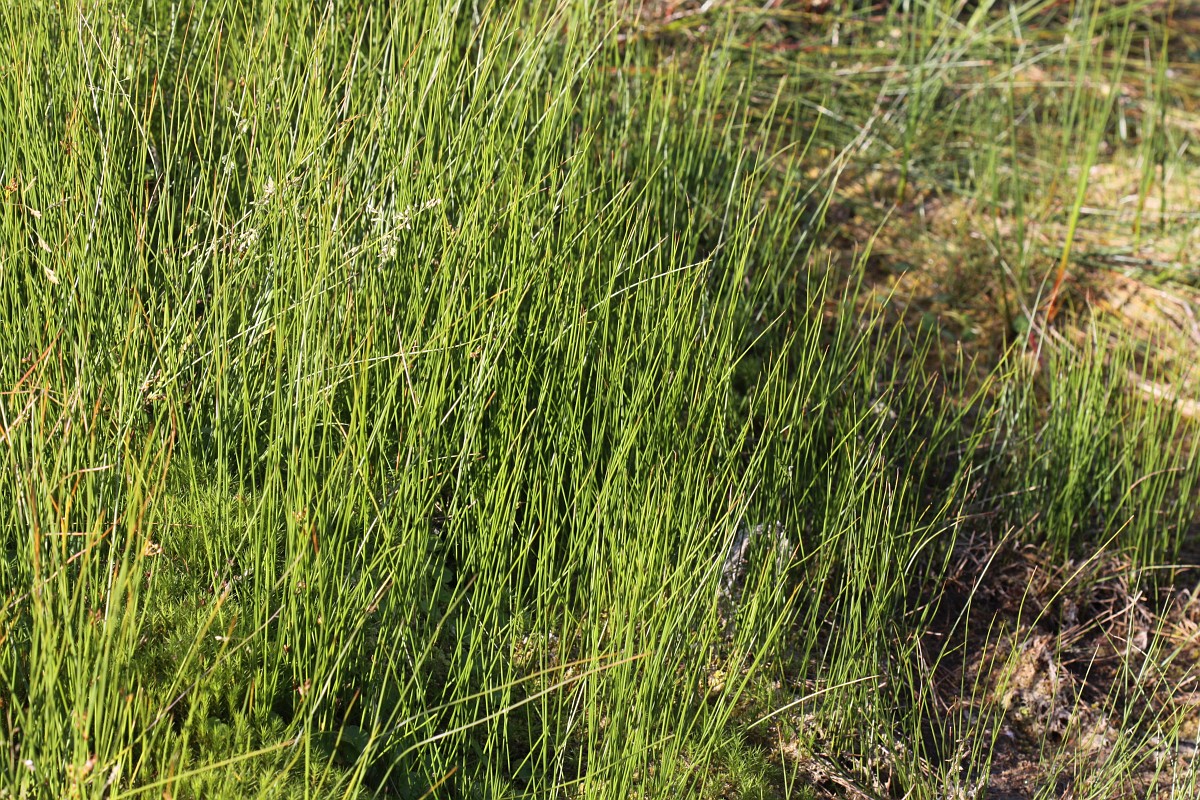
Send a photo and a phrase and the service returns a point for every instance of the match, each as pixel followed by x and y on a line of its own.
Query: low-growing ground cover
pixel 598 400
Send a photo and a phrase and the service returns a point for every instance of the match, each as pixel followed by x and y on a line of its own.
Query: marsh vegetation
pixel 698 399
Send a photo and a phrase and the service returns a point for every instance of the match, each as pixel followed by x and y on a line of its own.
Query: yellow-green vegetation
pixel 596 399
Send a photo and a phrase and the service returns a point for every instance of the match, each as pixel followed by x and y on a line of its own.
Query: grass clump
pixel 497 400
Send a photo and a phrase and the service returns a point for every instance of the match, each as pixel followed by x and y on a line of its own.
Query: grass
pixel 597 400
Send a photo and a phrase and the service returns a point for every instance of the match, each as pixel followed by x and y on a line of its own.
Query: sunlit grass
pixel 408 400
